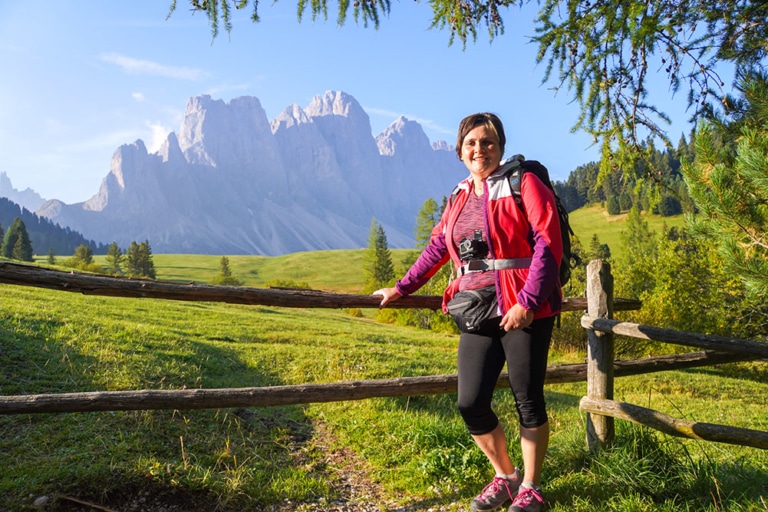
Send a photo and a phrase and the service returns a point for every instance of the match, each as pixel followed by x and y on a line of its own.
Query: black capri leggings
pixel 481 359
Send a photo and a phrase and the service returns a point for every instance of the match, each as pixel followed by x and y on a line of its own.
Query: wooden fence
pixel 599 405
pixel 599 371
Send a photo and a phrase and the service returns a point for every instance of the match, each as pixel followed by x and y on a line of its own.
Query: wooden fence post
pixel 600 353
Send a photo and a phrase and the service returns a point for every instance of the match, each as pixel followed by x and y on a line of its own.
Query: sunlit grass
pixel 416 447
pixel 595 220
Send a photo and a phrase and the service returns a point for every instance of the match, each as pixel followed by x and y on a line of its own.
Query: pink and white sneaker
pixel 527 500
pixel 496 494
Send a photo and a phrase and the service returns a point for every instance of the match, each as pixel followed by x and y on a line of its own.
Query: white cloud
pixel 137 96
pixel 146 67
pixel 158 137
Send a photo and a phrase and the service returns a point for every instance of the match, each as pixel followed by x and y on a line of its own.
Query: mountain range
pixel 26 198
pixel 233 182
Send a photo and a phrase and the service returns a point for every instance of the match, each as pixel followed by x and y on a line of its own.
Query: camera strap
pixel 488 264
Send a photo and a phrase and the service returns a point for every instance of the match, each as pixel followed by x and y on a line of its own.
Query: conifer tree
pixel 16 243
pixel 729 184
pixel 642 253
pixel 426 219
pixel 379 270
pixel 225 277
pixel 148 265
pixel 138 260
pixel 83 256
pixel 132 264
pixel 597 250
pixel 114 259
pixel 625 201
pixel 613 205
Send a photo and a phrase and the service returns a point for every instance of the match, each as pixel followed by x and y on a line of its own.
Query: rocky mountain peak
pixel 26 198
pixel 404 135
pixel 335 103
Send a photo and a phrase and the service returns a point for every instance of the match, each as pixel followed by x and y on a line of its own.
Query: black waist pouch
pixel 470 308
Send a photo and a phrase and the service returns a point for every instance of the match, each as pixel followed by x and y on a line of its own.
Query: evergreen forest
pixel 45 236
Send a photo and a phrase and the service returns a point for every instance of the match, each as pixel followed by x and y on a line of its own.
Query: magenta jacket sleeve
pixel 542 282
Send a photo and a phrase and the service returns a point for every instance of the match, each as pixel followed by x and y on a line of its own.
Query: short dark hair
pixel 471 122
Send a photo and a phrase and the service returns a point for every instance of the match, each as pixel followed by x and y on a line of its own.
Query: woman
pixel 483 219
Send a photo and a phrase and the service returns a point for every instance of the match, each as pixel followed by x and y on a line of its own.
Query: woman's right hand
pixel 387 295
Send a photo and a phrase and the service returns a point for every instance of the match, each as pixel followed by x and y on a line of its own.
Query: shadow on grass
pixel 754 371
pixel 225 459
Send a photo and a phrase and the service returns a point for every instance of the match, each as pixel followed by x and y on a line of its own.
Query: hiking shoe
pixel 496 493
pixel 527 500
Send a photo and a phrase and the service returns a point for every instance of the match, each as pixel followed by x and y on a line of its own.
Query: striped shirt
pixel 471 219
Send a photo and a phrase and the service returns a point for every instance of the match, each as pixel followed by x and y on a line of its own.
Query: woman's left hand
pixel 517 318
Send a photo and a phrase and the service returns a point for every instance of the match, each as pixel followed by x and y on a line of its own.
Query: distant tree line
pixel 44 235
pixel 655 184
pixel 136 261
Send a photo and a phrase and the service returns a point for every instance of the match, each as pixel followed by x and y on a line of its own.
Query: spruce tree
pixel 147 264
pixel 132 264
pixel 83 256
pixel 379 270
pixel 114 259
pixel 426 219
pixel 225 277
pixel 138 260
pixel 729 184
pixel 16 243
pixel 613 205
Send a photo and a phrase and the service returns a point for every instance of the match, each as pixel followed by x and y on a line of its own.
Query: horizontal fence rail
pixel 88 284
pixel 316 393
pixel 690 339
pixel 674 426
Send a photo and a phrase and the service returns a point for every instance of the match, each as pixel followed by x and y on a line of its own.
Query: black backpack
pixel 515 168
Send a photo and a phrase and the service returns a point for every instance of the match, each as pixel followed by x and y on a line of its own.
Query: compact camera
pixel 474 248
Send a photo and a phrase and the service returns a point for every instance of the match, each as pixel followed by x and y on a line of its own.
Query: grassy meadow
pixel 595 220
pixel 414 451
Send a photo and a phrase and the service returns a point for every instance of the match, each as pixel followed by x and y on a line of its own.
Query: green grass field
pixel 416 449
pixel 340 271
pixel 594 220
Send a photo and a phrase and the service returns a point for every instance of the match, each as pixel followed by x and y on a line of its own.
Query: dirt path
pixel 347 473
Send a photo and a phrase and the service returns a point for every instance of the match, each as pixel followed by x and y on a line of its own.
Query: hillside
pixel 595 220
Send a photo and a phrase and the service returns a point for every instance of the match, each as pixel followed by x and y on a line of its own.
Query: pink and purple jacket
pixel 511 234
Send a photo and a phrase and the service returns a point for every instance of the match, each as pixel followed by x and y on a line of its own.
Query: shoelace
pixel 525 496
pixel 494 487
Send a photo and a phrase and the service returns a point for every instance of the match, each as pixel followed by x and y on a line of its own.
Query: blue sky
pixel 80 78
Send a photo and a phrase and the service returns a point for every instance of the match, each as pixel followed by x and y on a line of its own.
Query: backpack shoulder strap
pixel 513 169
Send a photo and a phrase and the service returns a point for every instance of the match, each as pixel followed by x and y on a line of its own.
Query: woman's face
pixel 480 152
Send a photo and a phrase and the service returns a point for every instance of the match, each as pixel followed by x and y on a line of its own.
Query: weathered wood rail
pixel 89 284
pixel 674 426
pixel 216 398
